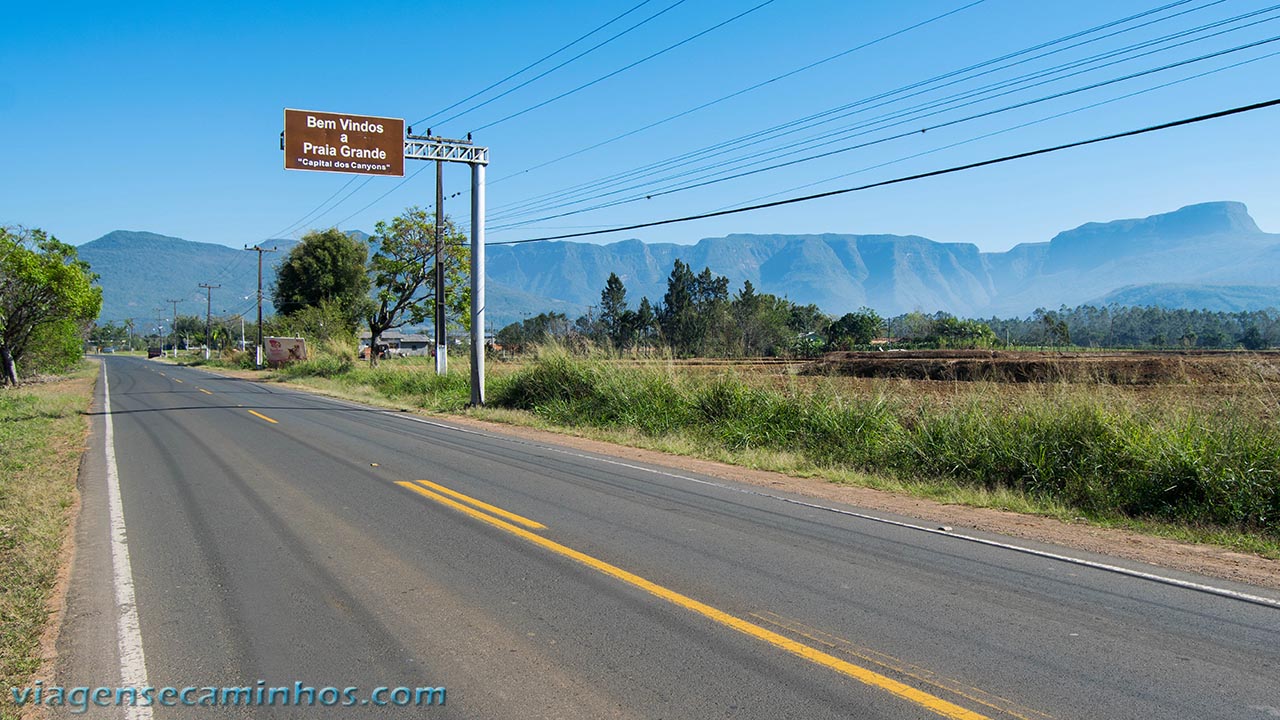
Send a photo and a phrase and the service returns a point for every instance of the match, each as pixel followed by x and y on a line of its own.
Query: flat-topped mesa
pixel 1202 219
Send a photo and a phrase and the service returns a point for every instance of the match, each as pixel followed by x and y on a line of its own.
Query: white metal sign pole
pixel 477 284
pixel 426 147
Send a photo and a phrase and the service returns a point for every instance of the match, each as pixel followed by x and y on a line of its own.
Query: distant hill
pixel 140 271
pixel 1210 255
pixel 1217 298
pixel 1214 244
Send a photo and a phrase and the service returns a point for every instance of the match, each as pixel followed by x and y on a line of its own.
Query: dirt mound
pixel 1116 368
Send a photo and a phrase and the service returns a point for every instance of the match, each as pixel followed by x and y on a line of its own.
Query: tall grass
pixel 1195 461
pixel 337 361
pixel 42 435
pixel 1078 449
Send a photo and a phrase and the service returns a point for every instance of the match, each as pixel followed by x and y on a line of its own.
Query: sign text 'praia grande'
pixel 338 142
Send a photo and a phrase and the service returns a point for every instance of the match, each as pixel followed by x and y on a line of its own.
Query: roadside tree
pixel 325 273
pixel 47 302
pixel 402 269
pixel 853 329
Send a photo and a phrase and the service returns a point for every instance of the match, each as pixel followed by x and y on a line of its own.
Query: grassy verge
pixel 1198 468
pixel 42 432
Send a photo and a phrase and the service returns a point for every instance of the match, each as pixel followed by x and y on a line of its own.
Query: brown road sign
pixel 337 142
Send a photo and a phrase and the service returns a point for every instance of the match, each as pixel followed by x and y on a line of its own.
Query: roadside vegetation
pixel 47 304
pixel 42 435
pixel 1198 466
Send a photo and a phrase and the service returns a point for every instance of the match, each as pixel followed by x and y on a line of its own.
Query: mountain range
pixel 1208 256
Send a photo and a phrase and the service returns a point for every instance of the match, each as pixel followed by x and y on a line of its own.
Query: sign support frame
pixel 426 147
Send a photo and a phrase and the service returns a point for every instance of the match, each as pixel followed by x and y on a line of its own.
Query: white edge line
pixel 1211 589
pixel 133 662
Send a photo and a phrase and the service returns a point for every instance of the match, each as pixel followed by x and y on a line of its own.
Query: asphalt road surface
pixel 271 538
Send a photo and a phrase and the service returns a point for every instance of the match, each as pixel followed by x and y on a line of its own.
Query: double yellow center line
pixel 444 496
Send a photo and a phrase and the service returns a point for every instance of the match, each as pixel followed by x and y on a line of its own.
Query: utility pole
pixel 159 328
pixel 442 343
pixel 174 327
pixel 257 360
pixel 418 147
pixel 208 314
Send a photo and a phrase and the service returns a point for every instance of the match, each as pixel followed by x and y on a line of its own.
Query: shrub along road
pixel 280 536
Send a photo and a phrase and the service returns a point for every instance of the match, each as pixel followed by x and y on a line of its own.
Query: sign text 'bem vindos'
pixel 338 142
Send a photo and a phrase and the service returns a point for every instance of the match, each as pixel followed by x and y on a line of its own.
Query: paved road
pixel 279 537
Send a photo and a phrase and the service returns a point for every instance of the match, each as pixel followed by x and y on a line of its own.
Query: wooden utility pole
pixel 257 359
pixel 173 329
pixel 208 305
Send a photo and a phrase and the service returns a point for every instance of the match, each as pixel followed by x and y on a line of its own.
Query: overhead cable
pixel 918 176
pixel 929 81
pixel 739 171
pixel 624 68
pixel 545 73
pixel 543 59
pixel 746 90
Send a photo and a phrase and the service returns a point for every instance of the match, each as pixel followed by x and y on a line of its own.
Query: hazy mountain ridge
pixel 140 271
pixel 1210 253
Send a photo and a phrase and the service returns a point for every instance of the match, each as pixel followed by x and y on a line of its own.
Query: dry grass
pixel 42 435
pixel 1192 461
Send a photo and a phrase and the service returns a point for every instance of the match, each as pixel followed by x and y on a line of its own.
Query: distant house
pixel 399 343
pixel 390 338
pixel 416 344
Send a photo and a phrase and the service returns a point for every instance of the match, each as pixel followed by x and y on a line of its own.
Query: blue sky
pixel 160 117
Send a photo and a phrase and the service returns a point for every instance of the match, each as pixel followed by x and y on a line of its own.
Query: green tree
pixel 326 269
pixel 47 302
pixel 613 311
pixel 541 328
pixel 1252 339
pixel 108 334
pixel 951 332
pixel 402 272
pixel 677 315
pixel 715 331
pixel 694 313
pixel 853 329
pixel 807 318
pixel 187 328
pixel 760 321
pixel 646 323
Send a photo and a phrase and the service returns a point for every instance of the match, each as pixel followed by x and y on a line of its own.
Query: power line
pixel 912 86
pixel 918 176
pixel 345 198
pixel 1019 126
pixel 294 225
pixel 557 67
pixel 745 90
pixel 798 125
pixel 623 69
pixel 1120 21
pixel 713 169
pixel 395 187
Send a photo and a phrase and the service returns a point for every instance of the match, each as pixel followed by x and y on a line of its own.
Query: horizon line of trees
pixel 698 317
